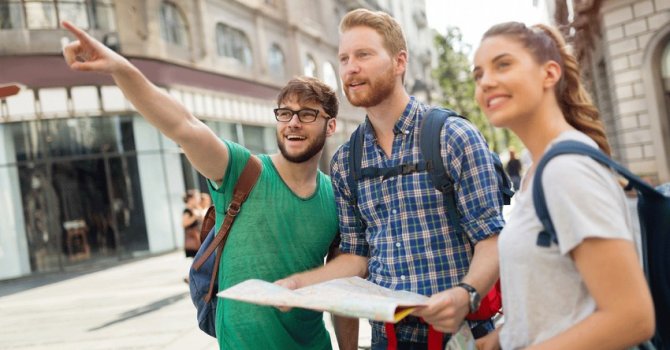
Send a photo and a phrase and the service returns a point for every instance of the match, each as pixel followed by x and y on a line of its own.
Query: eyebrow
pixel 501 56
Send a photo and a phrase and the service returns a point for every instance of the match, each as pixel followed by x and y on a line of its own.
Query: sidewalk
pixel 139 305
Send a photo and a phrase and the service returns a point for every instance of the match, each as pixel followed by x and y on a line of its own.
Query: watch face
pixel 475 300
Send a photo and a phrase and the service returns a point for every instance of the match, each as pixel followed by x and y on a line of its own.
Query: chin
pixel 498 119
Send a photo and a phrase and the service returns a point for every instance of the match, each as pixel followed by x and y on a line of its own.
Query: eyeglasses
pixel 305 115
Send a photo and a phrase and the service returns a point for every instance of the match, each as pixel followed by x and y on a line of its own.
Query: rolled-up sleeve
pixel 470 164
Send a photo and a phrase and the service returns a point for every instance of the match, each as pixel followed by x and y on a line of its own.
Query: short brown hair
pixel 312 90
pixel 385 25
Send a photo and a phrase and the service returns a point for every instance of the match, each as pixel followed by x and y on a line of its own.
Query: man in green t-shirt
pixel 289 220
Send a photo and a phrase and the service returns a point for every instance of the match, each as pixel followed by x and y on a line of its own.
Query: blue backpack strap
pixel 430 143
pixel 548 235
pixel 355 158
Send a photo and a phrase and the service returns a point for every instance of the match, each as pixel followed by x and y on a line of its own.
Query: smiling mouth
pixel 295 138
pixel 495 101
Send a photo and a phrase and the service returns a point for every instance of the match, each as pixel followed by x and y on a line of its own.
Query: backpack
pixel 654 213
pixel 203 279
pixel 430 145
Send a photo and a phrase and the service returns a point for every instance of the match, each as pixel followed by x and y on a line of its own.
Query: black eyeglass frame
pixel 300 118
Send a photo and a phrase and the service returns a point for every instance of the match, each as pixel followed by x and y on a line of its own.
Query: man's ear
pixel 401 62
pixel 331 126
pixel 552 74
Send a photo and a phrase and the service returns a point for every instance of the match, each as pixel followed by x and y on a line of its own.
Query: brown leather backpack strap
pixel 207 223
pixel 245 183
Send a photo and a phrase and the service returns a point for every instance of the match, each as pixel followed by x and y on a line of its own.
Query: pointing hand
pixel 88 54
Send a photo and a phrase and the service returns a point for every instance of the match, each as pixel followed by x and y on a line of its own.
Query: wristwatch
pixel 475 299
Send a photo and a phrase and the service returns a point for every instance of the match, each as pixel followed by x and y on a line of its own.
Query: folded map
pixel 351 297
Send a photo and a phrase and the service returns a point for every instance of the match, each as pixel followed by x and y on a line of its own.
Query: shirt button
pixel 394 211
pixel 406 132
pixel 402 277
pixel 397 244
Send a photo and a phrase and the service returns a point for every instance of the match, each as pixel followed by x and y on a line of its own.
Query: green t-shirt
pixel 275 235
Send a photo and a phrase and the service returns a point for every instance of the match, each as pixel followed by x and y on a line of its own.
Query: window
pixel 233 43
pixel 101 15
pixel 74 11
pixel 173 25
pixel 41 14
pixel 276 61
pixel 329 75
pixel 309 69
pixel 47 14
pixel 10 15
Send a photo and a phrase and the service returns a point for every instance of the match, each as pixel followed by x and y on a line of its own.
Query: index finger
pixel 80 34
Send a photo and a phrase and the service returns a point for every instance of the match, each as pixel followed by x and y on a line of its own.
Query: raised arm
pixel 202 147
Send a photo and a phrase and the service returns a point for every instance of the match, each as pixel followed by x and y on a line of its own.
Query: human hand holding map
pixel 350 297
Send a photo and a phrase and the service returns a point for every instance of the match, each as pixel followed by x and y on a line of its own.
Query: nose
pixel 348 68
pixel 295 120
pixel 486 81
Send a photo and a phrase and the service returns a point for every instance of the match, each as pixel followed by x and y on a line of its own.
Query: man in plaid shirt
pixel 405 240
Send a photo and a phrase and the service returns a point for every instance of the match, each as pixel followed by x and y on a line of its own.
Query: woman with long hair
pixel 588 291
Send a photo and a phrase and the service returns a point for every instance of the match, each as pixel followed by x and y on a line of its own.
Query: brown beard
pixel 377 92
pixel 313 149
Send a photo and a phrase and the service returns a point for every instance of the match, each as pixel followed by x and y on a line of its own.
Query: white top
pixel 543 293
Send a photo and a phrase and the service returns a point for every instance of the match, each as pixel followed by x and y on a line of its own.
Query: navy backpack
pixel 654 213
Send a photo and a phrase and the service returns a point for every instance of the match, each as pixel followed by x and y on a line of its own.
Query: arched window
pixel 330 76
pixel 232 42
pixel 309 68
pixel 173 25
pixel 276 62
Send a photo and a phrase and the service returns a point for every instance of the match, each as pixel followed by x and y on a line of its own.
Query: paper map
pixel 351 297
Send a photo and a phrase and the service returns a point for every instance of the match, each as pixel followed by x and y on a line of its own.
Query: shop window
pixel 173 25
pixel 254 139
pixel 234 43
pixel 276 62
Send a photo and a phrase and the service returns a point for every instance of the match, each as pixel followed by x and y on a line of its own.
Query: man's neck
pixel 386 114
pixel 299 177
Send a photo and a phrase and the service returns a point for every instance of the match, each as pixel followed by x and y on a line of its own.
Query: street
pixel 142 304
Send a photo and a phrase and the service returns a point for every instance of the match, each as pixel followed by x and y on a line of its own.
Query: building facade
pixel 83 177
pixel 624 46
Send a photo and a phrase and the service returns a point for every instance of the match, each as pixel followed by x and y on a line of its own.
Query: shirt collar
pixel 404 125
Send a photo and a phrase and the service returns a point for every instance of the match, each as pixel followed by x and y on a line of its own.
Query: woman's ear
pixel 552 74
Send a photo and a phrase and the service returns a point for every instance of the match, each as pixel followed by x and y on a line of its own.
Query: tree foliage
pixel 454 76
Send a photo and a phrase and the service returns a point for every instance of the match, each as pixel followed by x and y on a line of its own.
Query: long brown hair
pixel 547 44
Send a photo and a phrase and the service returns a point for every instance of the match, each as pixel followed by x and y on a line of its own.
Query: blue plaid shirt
pixel 408 237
